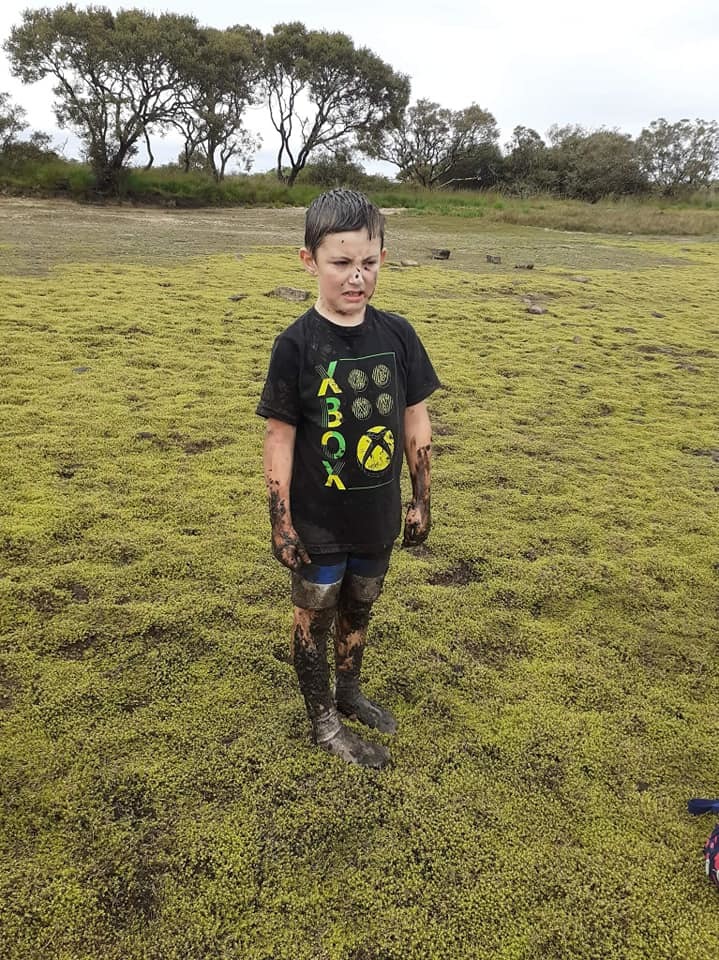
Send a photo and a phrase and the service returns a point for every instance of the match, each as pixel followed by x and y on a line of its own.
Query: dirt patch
pixel 189 446
pixel 135 235
pixel 711 452
pixel 462 573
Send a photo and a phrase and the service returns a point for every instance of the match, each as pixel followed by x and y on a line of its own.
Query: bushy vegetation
pixel 550 654
pixel 695 214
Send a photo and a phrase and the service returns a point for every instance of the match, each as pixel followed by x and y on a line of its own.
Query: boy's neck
pixel 353 320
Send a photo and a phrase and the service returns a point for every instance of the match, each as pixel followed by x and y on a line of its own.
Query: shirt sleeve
pixel 421 377
pixel 280 396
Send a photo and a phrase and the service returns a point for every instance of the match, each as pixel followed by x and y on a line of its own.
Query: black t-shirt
pixel 346 389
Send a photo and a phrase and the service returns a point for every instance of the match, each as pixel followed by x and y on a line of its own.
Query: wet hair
pixel 338 211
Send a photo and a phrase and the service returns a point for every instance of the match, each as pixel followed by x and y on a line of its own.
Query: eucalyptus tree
pixel 117 75
pixel 430 143
pixel 680 155
pixel 324 93
pixel 220 80
pixel 12 121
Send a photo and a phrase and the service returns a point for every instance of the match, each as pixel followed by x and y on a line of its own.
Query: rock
pixel 625 330
pixel 288 293
pixel 80 369
pixel 659 316
pixel 492 258
pixel 580 279
pixel 536 309
pixel 588 306
pixel 524 266
pixel 238 296
pixel 577 339
pixel 440 253
pixel 409 263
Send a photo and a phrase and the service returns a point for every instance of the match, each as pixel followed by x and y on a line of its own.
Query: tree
pixel 679 155
pixel 12 121
pixel 117 75
pixel 220 80
pixel 604 163
pixel 322 92
pixel 432 145
pixel 590 164
pixel 13 150
pixel 525 165
pixel 579 163
pixel 337 169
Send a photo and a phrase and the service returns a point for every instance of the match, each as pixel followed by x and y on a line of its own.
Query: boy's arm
pixel 418 451
pixel 278 455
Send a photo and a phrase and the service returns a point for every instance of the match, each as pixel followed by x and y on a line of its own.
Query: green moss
pixel 550 654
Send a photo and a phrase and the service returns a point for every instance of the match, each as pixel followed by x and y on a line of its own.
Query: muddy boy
pixel 344 399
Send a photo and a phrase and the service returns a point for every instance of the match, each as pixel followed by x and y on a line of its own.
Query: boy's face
pixel 346 266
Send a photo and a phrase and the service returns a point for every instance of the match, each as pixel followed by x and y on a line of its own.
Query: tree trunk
pixel 150 157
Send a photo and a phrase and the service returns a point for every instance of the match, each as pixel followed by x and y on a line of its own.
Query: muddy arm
pixel 278 455
pixel 418 451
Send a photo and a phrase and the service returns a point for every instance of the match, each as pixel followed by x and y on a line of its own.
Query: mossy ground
pixel 550 654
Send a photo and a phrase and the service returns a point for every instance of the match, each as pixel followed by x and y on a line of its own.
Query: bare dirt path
pixel 35 235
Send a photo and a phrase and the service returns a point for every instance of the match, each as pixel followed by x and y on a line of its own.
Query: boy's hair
pixel 338 211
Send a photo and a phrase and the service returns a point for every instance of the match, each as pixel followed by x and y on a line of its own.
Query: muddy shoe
pixel 354 704
pixel 353 749
pixel 330 735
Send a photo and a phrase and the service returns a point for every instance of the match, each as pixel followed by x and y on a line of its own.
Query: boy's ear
pixel 382 256
pixel 309 261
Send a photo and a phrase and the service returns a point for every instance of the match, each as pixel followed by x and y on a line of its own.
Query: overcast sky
pixel 621 63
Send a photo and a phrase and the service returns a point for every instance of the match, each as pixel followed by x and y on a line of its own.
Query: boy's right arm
pixel 279 450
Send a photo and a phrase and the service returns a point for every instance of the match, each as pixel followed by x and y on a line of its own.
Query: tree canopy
pixel 117 75
pixel 323 92
pixel 429 141
pixel 220 78
pixel 683 154
pixel 12 121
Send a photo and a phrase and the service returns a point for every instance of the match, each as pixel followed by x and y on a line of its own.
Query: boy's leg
pixel 310 631
pixel 361 586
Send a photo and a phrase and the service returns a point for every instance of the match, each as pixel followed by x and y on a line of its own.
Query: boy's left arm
pixel 418 451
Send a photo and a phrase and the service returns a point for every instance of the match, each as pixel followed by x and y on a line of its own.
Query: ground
pixel 550 653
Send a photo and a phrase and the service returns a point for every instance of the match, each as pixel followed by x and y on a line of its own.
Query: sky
pixel 618 64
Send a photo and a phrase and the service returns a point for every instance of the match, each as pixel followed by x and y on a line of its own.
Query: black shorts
pixel 317 585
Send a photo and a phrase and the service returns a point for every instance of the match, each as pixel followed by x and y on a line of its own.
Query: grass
pixel 696 215
pixel 550 654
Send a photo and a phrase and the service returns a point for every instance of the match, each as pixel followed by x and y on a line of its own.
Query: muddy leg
pixel 353 614
pixel 310 631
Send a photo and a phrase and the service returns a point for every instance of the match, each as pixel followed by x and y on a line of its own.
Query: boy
pixel 344 394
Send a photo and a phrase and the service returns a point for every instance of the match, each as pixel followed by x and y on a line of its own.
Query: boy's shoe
pixel 354 704
pixel 330 735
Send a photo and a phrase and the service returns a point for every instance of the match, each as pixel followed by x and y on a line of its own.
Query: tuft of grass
pixel 549 653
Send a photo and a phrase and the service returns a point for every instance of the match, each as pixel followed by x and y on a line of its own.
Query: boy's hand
pixel 288 548
pixel 417 524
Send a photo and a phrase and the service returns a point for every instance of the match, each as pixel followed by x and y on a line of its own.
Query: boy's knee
pixel 356 599
pixel 361 590
pixel 315 596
